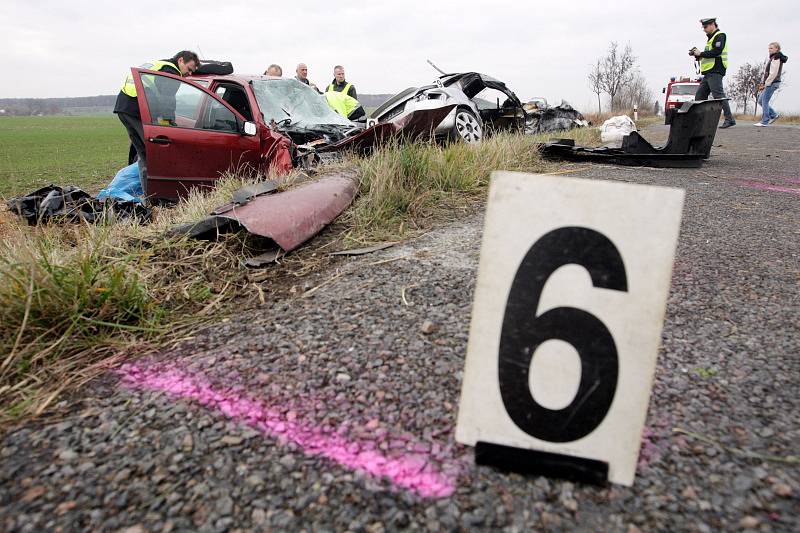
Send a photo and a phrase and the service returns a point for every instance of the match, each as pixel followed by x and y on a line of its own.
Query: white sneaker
pixel 760 125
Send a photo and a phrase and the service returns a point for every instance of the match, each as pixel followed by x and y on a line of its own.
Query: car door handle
pixel 160 140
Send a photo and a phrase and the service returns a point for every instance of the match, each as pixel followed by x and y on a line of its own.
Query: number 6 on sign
pixel 523 332
pixel 572 285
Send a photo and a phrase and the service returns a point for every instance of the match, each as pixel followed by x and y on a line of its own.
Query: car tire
pixel 466 127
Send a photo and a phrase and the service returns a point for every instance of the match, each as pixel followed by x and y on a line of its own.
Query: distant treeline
pixel 54 106
pixel 93 104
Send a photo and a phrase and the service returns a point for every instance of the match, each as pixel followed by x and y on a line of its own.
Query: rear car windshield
pixel 287 98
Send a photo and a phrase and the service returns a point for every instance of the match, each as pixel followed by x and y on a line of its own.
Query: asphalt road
pixel 334 408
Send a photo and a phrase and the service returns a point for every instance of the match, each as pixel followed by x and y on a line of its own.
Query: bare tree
pixel 734 91
pixel 745 84
pixel 617 71
pixel 596 82
pixel 635 93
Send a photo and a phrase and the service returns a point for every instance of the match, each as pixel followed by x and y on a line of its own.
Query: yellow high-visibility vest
pixel 707 63
pixel 129 88
pixel 345 90
pixel 341 102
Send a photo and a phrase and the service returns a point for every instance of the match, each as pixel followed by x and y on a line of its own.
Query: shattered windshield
pixel 287 98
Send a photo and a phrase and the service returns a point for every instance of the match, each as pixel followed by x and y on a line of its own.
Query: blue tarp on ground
pixel 126 185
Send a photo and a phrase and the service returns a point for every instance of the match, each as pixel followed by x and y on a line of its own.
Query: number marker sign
pixel 569 305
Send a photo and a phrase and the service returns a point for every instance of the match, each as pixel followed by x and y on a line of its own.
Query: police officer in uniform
pixel 127 104
pixel 713 65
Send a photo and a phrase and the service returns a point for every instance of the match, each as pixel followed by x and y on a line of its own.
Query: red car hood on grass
pixel 292 217
pixel 288 218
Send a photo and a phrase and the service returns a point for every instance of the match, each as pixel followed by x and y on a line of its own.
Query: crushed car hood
pixel 470 83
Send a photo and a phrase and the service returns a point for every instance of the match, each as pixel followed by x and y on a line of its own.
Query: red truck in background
pixel 679 90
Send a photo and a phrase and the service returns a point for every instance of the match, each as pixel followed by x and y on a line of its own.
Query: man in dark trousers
pixel 713 65
pixel 127 106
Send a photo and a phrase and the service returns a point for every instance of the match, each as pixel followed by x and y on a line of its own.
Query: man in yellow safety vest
pixel 342 96
pixel 713 65
pixel 127 105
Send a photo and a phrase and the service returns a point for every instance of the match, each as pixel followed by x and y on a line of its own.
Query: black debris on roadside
pixel 71 204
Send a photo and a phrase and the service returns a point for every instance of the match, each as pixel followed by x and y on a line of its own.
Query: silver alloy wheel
pixel 467 126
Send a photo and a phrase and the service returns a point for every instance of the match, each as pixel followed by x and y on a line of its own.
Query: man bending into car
pixel 163 110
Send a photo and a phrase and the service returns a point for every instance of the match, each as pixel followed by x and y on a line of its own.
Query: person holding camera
pixel 770 84
pixel 713 65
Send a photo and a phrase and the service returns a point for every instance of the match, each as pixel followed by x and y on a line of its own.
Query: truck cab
pixel 679 90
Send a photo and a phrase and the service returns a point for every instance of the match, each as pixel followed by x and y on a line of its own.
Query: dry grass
pixel 75 297
pixel 71 296
pixel 645 119
pixel 402 182
pixel 783 119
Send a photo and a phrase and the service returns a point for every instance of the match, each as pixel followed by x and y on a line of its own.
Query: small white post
pixel 635 112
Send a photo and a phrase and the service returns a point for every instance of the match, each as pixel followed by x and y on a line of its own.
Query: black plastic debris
pixel 218 68
pixel 71 204
pixel 562 117
pixel 691 136
pixel 242 196
pixel 537 463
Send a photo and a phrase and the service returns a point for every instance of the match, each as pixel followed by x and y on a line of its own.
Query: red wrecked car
pixel 251 124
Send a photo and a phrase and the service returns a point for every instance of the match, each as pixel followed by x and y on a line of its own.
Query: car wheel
pixel 467 127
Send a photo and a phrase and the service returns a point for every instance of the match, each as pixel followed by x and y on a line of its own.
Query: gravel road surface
pixel 334 408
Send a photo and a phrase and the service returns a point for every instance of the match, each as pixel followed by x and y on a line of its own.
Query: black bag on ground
pixel 71 204
pixel 217 68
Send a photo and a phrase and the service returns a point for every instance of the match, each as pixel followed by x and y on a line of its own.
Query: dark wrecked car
pixel 251 124
pixel 482 105
pixel 543 118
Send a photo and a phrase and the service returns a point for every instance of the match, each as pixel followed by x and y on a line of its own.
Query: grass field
pixel 82 151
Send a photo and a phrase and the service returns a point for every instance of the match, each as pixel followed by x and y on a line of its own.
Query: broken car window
pixel 175 103
pixel 490 98
pixel 281 99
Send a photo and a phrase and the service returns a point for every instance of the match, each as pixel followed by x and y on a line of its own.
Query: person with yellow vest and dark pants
pixel 342 96
pixel 713 65
pixel 127 105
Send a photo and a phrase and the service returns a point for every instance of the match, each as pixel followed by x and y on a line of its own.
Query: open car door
pixel 191 136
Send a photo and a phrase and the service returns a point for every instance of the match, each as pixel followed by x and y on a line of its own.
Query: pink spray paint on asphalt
pixel 414 473
pixel 766 187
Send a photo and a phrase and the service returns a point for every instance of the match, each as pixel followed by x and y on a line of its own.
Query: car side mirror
pixel 250 128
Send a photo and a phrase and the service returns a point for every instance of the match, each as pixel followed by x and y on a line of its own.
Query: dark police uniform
pixel 713 66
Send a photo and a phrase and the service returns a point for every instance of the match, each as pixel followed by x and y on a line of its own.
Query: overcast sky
pixel 80 48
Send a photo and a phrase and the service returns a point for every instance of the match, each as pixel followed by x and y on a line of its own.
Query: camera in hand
pixel 692 50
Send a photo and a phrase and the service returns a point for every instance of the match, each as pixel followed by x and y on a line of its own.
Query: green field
pixel 35 151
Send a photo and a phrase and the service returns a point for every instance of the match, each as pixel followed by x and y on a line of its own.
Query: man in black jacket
pixel 713 65
pixel 340 84
pixel 163 111
pixel 302 76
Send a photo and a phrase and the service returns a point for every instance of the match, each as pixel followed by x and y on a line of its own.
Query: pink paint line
pixel 413 473
pixel 765 187
pixel 785 179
